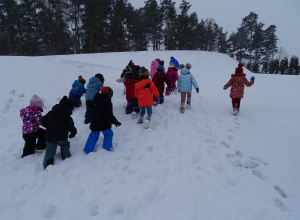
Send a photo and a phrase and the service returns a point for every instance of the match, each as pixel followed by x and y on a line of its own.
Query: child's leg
pixel 129 107
pixel 235 103
pixel 41 144
pixel 149 112
pixel 91 141
pixel 30 144
pixel 107 141
pixel 89 112
pixel 238 101
pixel 189 98
pixel 161 96
pixel 143 112
pixel 183 95
pixel 64 148
pixel 50 152
pixel 168 92
pixel 135 104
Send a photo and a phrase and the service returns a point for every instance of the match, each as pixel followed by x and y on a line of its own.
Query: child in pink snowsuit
pixel 154 65
pixel 33 135
pixel 172 76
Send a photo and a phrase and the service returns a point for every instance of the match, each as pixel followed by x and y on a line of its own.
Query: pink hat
pixel 37 101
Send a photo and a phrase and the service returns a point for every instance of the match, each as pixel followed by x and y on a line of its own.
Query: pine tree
pixel 153 23
pixel 265 68
pixel 9 15
pixel 294 66
pixel 169 22
pixel 274 66
pixel 284 65
pixel 270 43
pixel 183 25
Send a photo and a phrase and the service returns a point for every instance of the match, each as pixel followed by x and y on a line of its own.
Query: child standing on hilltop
pixel 144 90
pixel 31 116
pixel 103 118
pixel 77 91
pixel 185 82
pixel 237 83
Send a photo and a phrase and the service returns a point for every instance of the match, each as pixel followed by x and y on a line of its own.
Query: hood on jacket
pixel 76 83
pixel 185 71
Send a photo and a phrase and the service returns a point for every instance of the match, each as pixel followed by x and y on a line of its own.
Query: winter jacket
pixel 159 80
pixel 93 87
pixel 130 80
pixel 58 122
pixel 77 91
pixel 186 80
pixel 144 90
pixel 172 75
pixel 154 65
pixel 238 82
pixel 175 62
pixel 103 115
pixel 31 116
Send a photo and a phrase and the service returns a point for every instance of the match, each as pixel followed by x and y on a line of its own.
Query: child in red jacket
pixel 237 83
pixel 144 90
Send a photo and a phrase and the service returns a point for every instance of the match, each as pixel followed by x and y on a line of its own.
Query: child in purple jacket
pixel 33 135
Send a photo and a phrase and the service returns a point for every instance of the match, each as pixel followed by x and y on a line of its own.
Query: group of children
pixel 141 93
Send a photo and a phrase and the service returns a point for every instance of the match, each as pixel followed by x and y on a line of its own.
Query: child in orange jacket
pixel 237 83
pixel 144 90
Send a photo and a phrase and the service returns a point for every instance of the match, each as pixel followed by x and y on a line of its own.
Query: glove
pixel 224 88
pixel 252 78
pixel 178 90
pixel 171 88
pixel 118 124
pixel 72 135
pixel 158 99
pixel 197 90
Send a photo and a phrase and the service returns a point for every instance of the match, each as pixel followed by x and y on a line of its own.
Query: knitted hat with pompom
pixel 239 69
pixel 108 91
pixel 37 101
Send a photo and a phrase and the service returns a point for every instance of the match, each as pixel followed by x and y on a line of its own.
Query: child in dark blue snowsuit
pixel 77 91
pixel 101 121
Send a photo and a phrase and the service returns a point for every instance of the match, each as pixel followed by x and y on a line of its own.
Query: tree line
pixel 56 27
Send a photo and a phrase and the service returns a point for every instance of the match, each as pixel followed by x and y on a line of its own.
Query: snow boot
pixel 182 109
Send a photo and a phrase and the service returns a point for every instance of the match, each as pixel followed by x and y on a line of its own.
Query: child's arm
pixel 227 85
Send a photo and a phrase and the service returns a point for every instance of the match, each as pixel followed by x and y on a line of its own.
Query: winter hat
pixel 108 91
pixel 157 60
pixel 239 69
pixel 37 101
pixel 181 66
pixel 160 66
pixel 82 80
pixel 66 101
pixel 188 65
pixel 100 76
pixel 144 73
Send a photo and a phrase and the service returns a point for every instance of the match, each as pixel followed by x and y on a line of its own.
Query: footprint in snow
pixel 281 192
pixel 94 211
pixel 281 205
pixel 224 143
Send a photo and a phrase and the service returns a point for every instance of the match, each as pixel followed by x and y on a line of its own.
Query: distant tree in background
pixel 274 66
pixel 294 66
pixel 284 65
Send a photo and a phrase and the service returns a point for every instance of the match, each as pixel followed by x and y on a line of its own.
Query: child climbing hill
pixel 237 82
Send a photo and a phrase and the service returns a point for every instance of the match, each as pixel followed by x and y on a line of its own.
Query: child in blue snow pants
pixel 94 137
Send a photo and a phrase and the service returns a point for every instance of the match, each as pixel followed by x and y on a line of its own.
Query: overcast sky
pixel 285 14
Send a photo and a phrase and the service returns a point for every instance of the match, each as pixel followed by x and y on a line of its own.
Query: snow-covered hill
pixel 204 164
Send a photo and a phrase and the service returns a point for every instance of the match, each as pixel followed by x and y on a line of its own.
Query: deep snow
pixel 203 164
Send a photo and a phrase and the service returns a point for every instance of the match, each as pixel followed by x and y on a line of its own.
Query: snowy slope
pixel 204 164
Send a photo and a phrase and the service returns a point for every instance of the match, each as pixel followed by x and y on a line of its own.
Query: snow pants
pixel 51 150
pixel 34 141
pixel 132 106
pixel 236 102
pixel 168 91
pixel 94 137
pixel 89 111
pixel 143 112
pixel 183 97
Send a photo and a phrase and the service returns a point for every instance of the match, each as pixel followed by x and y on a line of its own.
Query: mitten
pixel 118 124
pixel 224 88
pixel 158 99
pixel 72 135
pixel 252 78
pixel 197 90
